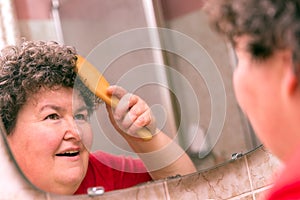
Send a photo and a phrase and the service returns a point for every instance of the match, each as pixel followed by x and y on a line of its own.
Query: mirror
pixel 192 97
pixel 186 67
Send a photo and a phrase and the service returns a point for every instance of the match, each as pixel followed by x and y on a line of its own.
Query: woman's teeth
pixel 68 153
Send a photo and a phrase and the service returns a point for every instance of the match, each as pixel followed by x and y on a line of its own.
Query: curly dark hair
pixel 272 24
pixel 32 65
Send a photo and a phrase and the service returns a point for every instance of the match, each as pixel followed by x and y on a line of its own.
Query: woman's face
pixel 47 140
pixel 261 88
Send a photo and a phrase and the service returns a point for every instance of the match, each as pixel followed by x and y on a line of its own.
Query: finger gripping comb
pixel 96 83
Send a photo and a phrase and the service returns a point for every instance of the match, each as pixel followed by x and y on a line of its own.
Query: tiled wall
pixel 248 177
pixel 245 178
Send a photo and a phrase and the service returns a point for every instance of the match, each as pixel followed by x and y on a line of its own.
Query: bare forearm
pixel 162 156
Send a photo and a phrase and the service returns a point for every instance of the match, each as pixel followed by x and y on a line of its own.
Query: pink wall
pixel 175 8
pixel 41 9
pixel 33 9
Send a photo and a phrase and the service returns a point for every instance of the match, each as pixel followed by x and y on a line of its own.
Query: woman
pixel 46 110
pixel 265 36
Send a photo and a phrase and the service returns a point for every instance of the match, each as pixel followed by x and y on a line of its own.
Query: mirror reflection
pixel 187 103
pixel 50 134
pixel 182 71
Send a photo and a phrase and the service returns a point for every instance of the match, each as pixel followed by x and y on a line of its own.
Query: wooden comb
pixel 96 83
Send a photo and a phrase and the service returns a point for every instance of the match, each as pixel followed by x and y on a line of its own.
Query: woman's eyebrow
pixel 61 109
pixel 54 107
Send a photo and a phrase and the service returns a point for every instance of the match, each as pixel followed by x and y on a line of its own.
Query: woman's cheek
pixel 86 135
pixel 236 86
pixel 241 91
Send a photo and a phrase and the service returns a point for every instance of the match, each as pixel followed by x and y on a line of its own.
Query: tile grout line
pixel 249 176
pixel 240 196
pixel 166 189
pixel 262 189
pixel 251 193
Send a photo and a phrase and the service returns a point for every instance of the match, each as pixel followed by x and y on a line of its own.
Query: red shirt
pixel 287 186
pixel 113 172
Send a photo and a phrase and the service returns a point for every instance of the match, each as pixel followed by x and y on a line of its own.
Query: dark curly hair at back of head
pixel 272 24
pixel 32 65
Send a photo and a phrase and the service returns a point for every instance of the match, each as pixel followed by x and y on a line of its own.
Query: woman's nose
pixel 71 130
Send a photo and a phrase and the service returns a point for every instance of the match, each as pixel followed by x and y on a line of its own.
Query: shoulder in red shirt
pixel 113 172
pixel 287 186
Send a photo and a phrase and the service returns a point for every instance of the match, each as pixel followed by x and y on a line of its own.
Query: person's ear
pixel 290 80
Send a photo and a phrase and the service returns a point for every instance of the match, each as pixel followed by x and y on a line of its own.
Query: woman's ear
pixel 290 80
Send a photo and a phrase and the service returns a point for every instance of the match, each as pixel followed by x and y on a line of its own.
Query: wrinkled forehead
pixel 56 92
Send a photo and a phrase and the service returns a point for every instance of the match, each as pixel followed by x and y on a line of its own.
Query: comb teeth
pixel 92 78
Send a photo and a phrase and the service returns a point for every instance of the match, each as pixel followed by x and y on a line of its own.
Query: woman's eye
pixel 52 116
pixel 81 117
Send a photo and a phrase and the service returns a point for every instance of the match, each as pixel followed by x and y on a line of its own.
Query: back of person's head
pixel 271 24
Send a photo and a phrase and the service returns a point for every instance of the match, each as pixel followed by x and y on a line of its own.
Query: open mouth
pixel 68 153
